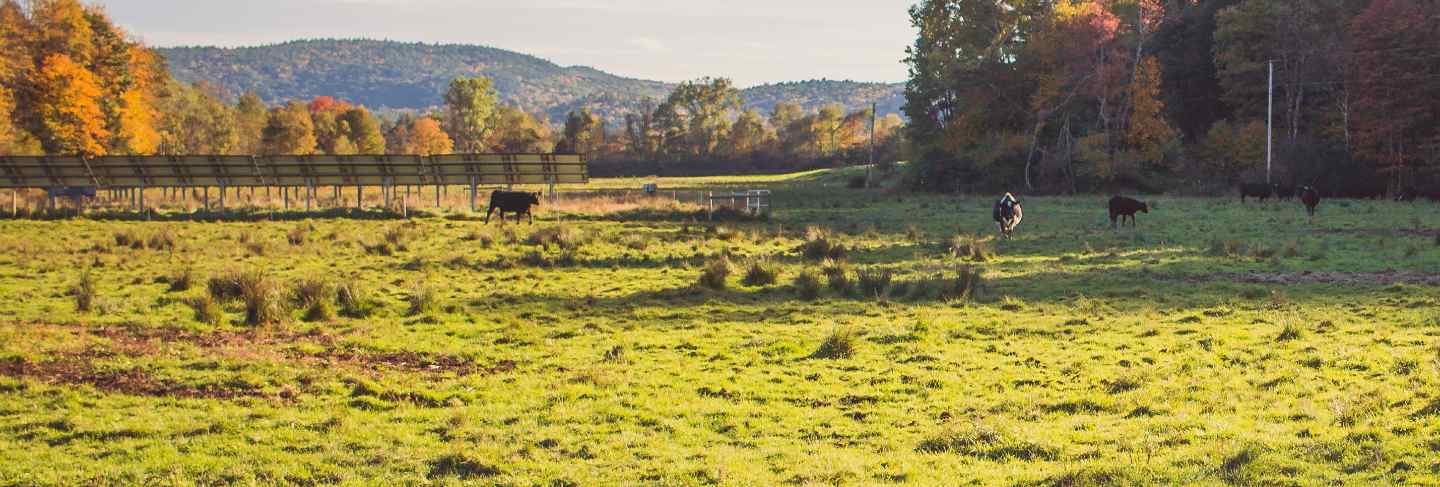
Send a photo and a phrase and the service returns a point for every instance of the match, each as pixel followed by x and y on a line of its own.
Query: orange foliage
pixel 69 110
pixel 426 138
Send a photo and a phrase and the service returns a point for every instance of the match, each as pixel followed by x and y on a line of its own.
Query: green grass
pixel 1214 344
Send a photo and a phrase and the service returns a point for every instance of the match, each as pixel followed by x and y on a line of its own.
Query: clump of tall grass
pixel 399 237
pixel 716 273
pixel 839 344
pixel 970 247
pixel 837 276
pixel 354 300
pixel 298 236
pixel 560 236
pixel 424 299
pixel 128 238
pixel 207 309
pixel 264 298
pixel 760 272
pixel 317 297
pixel 265 302
pixel 808 285
pixel 183 279
pixel 1225 248
pixel 819 245
pixel 873 282
pixel 162 240
pixel 84 292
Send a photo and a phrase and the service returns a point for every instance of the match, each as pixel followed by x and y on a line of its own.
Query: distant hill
pixel 412 76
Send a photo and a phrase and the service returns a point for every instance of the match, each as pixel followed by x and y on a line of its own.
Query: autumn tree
pixel 583 131
pixel 196 121
pixel 703 107
pixel 1392 75
pixel 251 116
pixel 469 112
pixel 1149 133
pixel 748 135
pixel 71 118
pixel 427 139
pixel 289 131
pixel 519 132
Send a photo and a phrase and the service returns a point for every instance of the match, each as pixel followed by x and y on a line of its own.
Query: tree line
pixel 73 83
pixel 1077 95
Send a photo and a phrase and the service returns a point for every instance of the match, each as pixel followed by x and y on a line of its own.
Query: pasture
pixel 853 338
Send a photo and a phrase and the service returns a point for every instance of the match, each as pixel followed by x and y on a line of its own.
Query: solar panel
pixel 292 170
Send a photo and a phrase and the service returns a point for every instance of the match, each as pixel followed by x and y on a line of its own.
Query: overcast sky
pixel 750 41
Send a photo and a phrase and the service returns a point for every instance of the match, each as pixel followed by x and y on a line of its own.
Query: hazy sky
pixel 750 41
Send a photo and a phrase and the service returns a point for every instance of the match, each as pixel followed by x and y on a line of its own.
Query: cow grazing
pixel 1121 207
pixel 1311 198
pixel 512 202
pixel 1407 195
pixel 1262 191
pixel 1008 214
pixel 1284 192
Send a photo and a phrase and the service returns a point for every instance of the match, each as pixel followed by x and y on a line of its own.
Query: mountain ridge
pixel 396 75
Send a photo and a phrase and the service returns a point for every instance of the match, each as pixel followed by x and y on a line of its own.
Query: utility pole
pixel 1270 125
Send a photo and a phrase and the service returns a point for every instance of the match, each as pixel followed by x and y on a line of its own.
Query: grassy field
pixel 853 338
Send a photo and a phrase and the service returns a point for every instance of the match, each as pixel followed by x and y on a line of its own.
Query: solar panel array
pixel 242 171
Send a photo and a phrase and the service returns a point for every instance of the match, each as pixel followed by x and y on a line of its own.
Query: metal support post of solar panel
pixel 31 172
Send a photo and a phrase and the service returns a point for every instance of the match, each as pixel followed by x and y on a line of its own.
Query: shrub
pixel 808 285
pixel 354 300
pixel 839 344
pixel 715 273
pixel 84 292
pixel 873 283
pixel 837 277
pixel 760 273
pixel 207 310
pixel 423 300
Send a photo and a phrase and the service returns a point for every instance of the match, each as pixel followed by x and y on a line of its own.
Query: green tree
pixel 289 131
pixel 469 112
pixel 748 135
pixel 706 106
pixel 363 131
pixel 519 132
pixel 251 116
pixel 196 121
pixel 580 133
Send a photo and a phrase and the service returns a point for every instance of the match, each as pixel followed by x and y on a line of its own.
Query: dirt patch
pixel 272 345
pixel 1307 277
pixel 77 370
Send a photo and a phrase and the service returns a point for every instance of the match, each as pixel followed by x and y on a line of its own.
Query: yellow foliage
pixel 426 138
pixel 1149 133
pixel 69 108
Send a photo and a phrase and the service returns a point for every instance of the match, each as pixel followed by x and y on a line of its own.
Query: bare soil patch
pixel 77 370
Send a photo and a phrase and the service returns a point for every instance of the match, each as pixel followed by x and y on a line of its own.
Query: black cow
pixel 1284 192
pixel 1407 195
pixel 1311 198
pixel 1121 207
pixel 1008 214
pixel 512 202
pixel 1258 190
